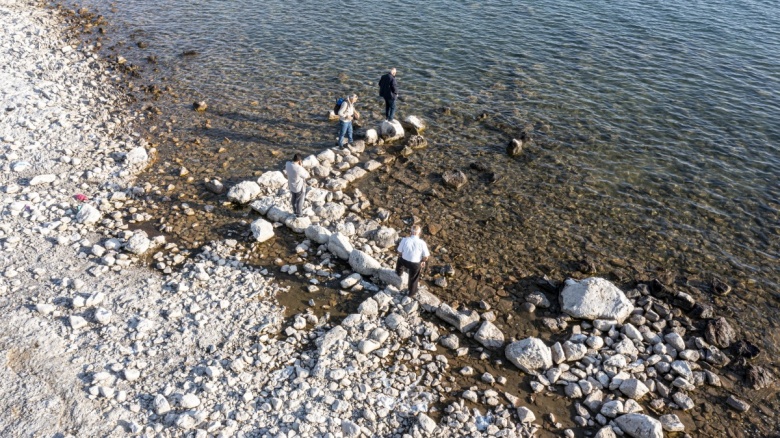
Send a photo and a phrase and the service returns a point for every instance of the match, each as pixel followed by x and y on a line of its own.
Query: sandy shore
pixel 97 344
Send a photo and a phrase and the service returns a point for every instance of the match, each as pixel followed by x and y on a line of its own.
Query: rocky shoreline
pixel 98 344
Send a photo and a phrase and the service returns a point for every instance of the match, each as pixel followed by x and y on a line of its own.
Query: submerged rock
pixel 514 148
pixel 720 333
pixel 454 178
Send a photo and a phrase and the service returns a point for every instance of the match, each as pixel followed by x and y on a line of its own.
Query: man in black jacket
pixel 388 89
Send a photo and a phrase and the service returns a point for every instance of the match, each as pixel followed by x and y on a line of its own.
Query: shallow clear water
pixel 655 125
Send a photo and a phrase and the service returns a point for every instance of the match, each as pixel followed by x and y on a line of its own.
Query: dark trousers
pixel 297 201
pixel 389 109
pixel 414 273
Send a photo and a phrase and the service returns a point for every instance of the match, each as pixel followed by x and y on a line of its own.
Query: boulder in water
pixel 390 131
pixel 720 333
pixel 244 192
pixel 415 124
pixel 595 298
pixel 262 230
pixel 515 147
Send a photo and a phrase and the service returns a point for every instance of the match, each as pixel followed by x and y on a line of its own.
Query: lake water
pixel 655 125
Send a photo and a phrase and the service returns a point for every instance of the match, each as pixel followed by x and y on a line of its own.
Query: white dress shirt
pixel 413 249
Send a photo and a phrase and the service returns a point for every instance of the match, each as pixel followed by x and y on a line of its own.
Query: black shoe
pixel 338 144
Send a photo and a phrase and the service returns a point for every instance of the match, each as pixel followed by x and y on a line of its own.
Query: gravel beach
pixel 98 343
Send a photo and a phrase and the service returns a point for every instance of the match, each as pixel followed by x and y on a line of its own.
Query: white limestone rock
pixel 530 355
pixel 102 316
pixel 273 180
pixel 489 335
pixel 671 423
pixel 137 157
pixel 339 245
pixel 595 298
pixel 363 263
pixel 633 388
pixel 264 204
pixel 426 423
pixel 43 179
pixel 463 321
pixel 331 211
pixel 262 230
pixel 77 322
pixel 88 214
pixel 371 136
pixel 139 243
pixel 297 224
pixel 244 192
pixel 318 234
pixel 416 123
pixel 278 213
pixel 390 131
pixel 350 281
pixel 640 426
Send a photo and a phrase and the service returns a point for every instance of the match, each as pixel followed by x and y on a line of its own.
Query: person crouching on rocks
pixel 412 255
pixel 296 181
pixel 347 113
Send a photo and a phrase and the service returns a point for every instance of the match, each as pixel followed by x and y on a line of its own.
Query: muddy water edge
pixel 503 238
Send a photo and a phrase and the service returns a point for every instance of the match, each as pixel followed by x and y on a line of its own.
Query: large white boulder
pixel 262 205
pixel 385 237
pixel 297 224
pixel 318 233
pixel 88 214
pixel 310 161
pixel 138 244
pixel 390 131
pixel 244 192
pixel 272 180
pixel 317 196
pixel 277 213
pixel 415 122
pixel 339 245
pixel 489 335
pixel 595 298
pixel 331 211
pixel 640 426
pixel 530 355
pixel 262 230
pixel 371 136
pixel 363 263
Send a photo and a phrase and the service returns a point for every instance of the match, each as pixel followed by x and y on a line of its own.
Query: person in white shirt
pixel 412 255
pixel 296 181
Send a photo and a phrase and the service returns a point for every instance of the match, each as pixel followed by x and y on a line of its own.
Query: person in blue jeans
pixel 346 114
pixel 388 89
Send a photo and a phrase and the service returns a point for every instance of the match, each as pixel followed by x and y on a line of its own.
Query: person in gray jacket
pixel 347 113
pixel 296 181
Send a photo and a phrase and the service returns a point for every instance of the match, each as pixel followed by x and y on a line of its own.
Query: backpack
pixel 338 106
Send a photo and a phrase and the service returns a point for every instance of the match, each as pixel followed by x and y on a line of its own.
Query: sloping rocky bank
pixel 97 344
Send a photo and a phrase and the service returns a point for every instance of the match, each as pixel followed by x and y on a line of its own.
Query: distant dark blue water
pixel 668 110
